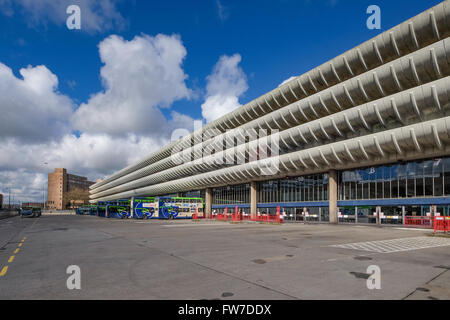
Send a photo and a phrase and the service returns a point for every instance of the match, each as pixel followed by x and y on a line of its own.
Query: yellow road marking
pixel 3 272
pixel 11 259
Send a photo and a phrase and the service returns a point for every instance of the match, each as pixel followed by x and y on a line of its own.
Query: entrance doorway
pixel 367 214
pixel 392 215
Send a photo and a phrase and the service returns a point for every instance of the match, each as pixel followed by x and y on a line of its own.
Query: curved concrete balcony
pixel 428 27
pixel 426 102
pixel 426 139
pixel 422 66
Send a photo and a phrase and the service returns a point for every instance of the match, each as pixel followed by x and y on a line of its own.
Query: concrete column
pixel 332 196
pixel 253 198
pixel 132 207
pixel 378 210
pixel 208 203
pixel 403 215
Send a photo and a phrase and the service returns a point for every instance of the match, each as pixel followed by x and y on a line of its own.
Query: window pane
pixel 419 179
pixel 438 177
pixel 303 189
pixel 364 184
pixel 401 180
pixel 410 174
pixel 379 176
pixel 372 185
pixel 428 177
pixel 387 182
pixel 447 176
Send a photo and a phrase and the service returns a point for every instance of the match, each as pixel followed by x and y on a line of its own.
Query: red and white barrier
pixel 238 217
pixel 419 222
pixel 441 224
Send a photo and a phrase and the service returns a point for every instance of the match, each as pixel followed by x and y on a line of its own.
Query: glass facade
pixel 425 178
pixel 367 214
pixel 392 215
pixel 304 188
pixel 310 214
pixel 296 195
pixel 193 194
pixel 298 189
pixel 238 194
pixel 443 210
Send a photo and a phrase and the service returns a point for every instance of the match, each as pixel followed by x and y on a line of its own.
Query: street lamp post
pixel 43 186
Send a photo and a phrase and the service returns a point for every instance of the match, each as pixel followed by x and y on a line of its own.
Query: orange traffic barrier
pixel 238 217
pixel 441 224
pixel 221 216
pixel 195 215
pixel 419 222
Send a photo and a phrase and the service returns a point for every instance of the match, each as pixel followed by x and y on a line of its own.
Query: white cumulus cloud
pixel 24 167
pixel 42 129
pixel 22 185
pixel 139 76
pixel 225 85
pixel 114 128
pixel 32 109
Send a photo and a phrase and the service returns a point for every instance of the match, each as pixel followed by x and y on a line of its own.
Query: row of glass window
pixel 389 214
pixel 232 194
pixel 425 178
pixel 428 178
pixel 193 194
pixel 304 188
pixel 289 214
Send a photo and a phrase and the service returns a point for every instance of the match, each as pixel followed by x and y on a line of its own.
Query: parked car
pixel 30 212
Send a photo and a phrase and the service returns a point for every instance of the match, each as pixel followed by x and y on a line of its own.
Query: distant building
pixel 67 190
pixel 33 204
pixel 1 200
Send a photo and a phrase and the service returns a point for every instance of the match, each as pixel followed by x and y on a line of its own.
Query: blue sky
pixel 276 39
pixel 244 48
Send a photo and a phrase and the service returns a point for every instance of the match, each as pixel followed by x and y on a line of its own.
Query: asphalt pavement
pixel 132 259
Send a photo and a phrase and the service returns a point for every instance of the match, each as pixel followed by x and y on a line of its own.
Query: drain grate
pixel 259 261
pixel 360 275
pixel 227 294
pixel 362 258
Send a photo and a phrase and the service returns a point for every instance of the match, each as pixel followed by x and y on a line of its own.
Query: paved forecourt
pixel 132 259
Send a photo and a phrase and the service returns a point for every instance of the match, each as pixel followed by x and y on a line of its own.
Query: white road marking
pixel 396 245
pixel 196 225
pixel 413 229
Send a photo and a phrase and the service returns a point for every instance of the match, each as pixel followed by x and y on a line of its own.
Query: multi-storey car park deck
pixel 365 137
